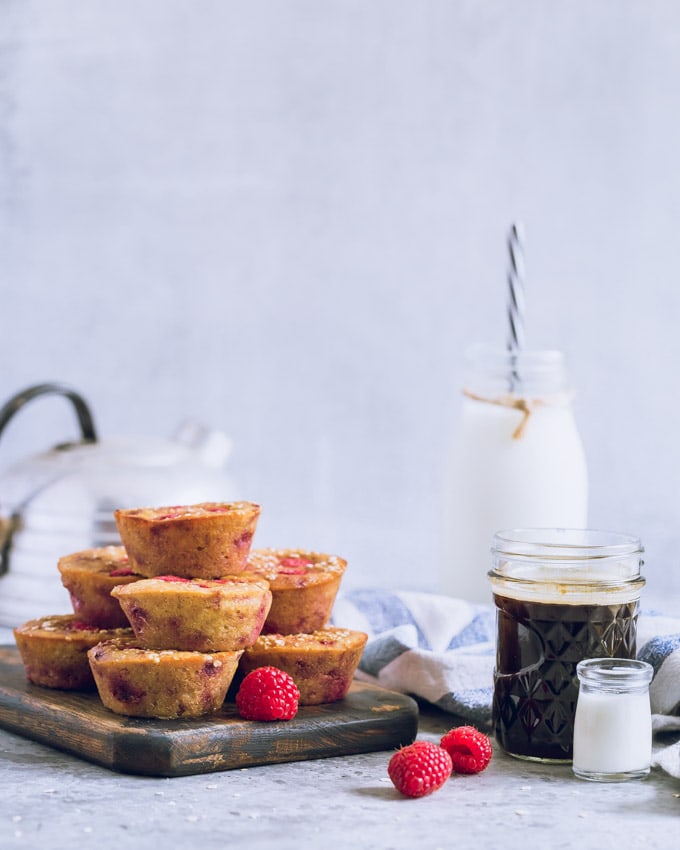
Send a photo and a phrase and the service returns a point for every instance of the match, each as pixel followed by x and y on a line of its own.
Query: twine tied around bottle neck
pixel 526 406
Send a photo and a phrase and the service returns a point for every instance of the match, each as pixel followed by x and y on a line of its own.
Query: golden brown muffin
pixel 90 576
pixel 206 615
pixel 207 540
pixel 303 585
pixel 322 664
pixel 163 683
pixel 54 650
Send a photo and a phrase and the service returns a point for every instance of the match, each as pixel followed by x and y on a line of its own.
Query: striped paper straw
pixel 515 342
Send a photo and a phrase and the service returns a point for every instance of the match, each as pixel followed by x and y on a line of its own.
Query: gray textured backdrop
pixel 288 219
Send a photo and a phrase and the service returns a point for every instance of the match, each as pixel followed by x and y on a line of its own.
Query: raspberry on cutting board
pixel 267 693
pixel 470 749
pixel 419 769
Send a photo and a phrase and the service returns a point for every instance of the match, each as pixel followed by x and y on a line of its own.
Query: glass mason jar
pixel 561 596
pixel 613 724
pixel 516 460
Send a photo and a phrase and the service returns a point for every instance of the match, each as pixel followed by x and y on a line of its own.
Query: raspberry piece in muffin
pixel 161 683
pixel 205 615
pixel 303 585
pixel 54 649
pixel 322 663
pixel 90 576
pixel 206 540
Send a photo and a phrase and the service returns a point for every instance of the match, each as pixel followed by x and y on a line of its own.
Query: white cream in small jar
pixel 613 721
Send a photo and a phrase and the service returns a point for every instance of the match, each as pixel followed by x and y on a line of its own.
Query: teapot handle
pixel 85 420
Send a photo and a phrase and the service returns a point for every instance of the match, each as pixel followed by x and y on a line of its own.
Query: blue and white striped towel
pixel 442 650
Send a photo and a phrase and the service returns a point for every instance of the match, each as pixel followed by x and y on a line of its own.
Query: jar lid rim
pixel 614 671
pixel 565 544
pixel 538 357
pixel 559 582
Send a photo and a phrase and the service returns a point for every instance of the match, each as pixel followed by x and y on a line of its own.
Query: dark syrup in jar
pixel 535 685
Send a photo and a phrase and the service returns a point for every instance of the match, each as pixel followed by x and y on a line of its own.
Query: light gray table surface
pixel 52 800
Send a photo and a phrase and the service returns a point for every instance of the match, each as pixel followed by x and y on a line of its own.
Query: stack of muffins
pixel 164 624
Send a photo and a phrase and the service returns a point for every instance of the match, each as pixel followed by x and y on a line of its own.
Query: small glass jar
pixel 613 724
pixel 561 596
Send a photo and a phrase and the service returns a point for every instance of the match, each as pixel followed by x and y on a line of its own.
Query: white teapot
pixel 62 500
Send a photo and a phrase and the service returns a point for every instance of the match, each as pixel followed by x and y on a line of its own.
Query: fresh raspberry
pixel 267 693
pixel 470 750
pixel 419 769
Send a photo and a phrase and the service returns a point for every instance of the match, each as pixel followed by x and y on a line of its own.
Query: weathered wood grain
pixel 368 719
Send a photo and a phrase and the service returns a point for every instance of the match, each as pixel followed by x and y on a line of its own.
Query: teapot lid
pixel 131 470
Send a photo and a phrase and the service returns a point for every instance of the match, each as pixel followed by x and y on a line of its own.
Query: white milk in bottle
pixel 516 461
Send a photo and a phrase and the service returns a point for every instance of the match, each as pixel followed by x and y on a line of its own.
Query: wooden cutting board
pixel 367 720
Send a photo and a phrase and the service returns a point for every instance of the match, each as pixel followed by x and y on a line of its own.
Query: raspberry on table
pixel 470 749
pixel 267 693
pixel 419 769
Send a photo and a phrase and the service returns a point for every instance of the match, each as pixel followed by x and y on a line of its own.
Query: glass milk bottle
pixel 516 460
